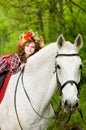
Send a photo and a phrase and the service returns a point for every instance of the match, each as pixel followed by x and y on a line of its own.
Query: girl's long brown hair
pixel 21 52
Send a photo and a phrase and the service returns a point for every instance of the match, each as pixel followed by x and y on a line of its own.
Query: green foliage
pixel 84 71
pixel 48 17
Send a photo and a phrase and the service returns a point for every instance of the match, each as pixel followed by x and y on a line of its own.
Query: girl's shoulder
pixel 15 57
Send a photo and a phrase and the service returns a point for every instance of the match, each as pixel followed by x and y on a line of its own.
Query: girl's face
pixel 29 48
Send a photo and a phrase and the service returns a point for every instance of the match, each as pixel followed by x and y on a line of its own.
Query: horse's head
pixel 68 72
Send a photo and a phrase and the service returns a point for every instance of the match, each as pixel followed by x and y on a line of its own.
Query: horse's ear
pixel 78 42
pixel 60 41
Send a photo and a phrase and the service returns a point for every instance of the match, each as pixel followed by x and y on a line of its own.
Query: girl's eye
pixel 27 45
pixel 33 47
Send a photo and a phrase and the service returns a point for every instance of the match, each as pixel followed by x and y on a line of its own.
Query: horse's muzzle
pixel 70 107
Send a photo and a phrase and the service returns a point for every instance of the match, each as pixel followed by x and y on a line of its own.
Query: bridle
pixel 60 88
pixel 78 86
pixel 69 81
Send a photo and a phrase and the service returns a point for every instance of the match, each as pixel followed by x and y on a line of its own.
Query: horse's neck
pixel 42 59
pixel 39 73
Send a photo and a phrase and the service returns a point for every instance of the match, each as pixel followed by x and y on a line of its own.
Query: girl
pixel 28 45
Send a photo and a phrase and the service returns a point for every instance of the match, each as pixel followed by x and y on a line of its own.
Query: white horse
pixel 26 105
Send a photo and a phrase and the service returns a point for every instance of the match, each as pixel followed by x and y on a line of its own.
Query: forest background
pixel 49 18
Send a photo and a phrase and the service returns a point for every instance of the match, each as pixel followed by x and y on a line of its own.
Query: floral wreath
pixel 31 36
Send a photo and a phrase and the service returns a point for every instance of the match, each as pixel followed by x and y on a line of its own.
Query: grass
pixel 75 122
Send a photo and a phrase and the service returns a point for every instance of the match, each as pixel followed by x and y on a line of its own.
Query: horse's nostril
pixel 76 105
pixel 66 103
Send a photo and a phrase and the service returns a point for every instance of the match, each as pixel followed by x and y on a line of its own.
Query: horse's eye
pixel 80 67
pixel 58 66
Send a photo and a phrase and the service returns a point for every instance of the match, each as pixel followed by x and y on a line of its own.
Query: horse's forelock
pixel 67 47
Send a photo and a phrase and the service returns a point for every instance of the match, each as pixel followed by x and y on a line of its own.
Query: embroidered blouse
pixel 14 64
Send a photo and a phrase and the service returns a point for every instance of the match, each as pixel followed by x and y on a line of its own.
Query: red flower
pixel 28 36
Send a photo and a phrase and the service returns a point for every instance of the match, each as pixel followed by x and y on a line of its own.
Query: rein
pixel 15 106
pixel 31 102
pixel 15 100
